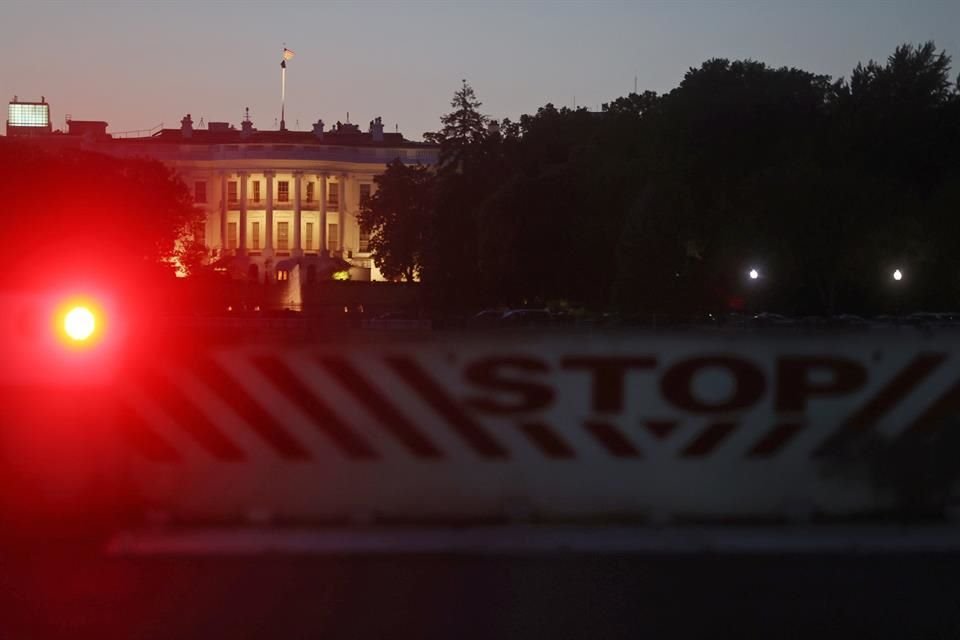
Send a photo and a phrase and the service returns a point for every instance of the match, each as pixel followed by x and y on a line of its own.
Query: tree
pixel 90 213
pixel 471 167
pixel 661 202
pixel 398 218
pixel 463 127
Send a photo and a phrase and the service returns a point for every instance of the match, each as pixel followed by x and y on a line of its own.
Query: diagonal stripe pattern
pixel 393 420
pixel 288 383
pixel 216 378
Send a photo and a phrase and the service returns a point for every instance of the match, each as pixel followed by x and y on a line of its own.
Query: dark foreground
pixel 81 594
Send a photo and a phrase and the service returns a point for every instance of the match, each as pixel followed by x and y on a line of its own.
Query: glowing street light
pixel 897 275
pixel 754 274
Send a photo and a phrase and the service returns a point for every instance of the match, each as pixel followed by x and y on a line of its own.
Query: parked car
pixel 526 318
pixel 485 319
pixel 772 320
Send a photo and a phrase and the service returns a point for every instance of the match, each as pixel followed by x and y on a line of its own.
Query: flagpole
pixel 283 94
pixel 287 55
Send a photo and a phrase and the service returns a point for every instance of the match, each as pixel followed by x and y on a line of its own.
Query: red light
pixel 78 323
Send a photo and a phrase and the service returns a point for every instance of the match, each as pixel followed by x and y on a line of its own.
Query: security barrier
pixel 552 427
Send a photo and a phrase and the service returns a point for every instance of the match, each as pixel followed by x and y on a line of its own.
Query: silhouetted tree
pixel 399 216
pixel 662 203
pixel 90 213
pixel 471 168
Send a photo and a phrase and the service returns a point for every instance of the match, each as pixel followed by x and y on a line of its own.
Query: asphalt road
pixel 78 593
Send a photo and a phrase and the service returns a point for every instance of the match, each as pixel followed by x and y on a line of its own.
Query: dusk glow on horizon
pixel 137 65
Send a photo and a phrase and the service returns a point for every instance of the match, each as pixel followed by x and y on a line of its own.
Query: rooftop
pixel 218 133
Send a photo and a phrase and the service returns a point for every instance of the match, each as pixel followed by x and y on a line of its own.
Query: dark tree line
pixel 72 214
pixel 663 203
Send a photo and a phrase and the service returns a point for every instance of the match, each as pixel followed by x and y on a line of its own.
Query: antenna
pixel 634 84
pixel 348 117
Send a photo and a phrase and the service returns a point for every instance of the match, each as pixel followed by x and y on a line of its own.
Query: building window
pixel 255 236
pixel 283 275
pixel 200 192
pixel 333 237
pixel 283 236
pixel 232 191
pixel 232 236
pixel 309 192
pixel 199 231
pixel 364 193
pixel 309 239
pixel 283 191
pixel 333 195
pixel 256 191
pixel 364 241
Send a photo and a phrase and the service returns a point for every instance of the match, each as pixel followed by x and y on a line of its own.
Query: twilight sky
pixel 136 64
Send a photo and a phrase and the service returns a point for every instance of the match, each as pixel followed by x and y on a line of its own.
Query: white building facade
pixel 274 199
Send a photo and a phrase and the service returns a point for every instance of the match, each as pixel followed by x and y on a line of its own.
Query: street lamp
pixel 754 274
pixel 897 275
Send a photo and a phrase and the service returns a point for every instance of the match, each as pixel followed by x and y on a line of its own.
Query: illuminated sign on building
pixel 28 117
pixel 23 114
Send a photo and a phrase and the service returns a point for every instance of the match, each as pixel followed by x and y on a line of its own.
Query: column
pixel 322 178
pixel 223 213
pixel 268 249
pixel 242 250
pixel 297 214
pixel 343 214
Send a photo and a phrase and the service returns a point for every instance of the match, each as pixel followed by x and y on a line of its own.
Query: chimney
pixel 246 126
pixel 376 129
pixel 318 129
pixel 493 127
pixel 186 127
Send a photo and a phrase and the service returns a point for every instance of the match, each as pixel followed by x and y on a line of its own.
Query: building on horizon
pixel 273 199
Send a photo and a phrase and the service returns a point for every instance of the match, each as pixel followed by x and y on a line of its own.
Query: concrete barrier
pixel 555 428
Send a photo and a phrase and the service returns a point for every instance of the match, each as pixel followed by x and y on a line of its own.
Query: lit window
pixel 283 191
pixel 283 236
pixel 364 241
pixel 200 192
pixel 255 236
pixel 333 237
pixel 232 191
pixel 256 191
pixel 309 234
pixel 333 195
pixel 309 192
pixel 232 236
